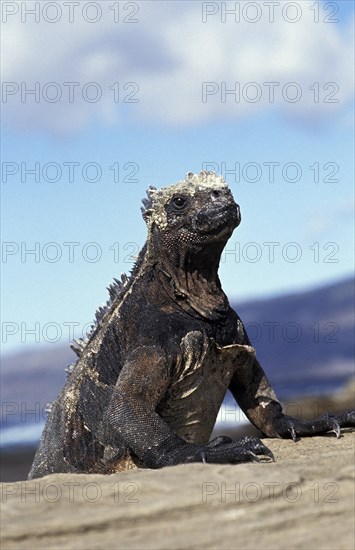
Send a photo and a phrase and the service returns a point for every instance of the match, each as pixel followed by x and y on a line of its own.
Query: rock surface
pixel 303 500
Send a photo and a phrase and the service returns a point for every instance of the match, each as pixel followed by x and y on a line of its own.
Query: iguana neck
pixel 189 275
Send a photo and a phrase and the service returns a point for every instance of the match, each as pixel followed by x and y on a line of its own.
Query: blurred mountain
pixel 30 379
pixel 304 341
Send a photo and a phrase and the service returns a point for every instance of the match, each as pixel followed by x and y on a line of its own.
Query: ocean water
pixel 27 435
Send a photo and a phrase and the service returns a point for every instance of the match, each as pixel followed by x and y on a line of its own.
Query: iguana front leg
pixel 131 416
pixel 255 396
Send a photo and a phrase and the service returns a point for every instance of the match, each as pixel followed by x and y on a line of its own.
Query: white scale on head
pixel 189 186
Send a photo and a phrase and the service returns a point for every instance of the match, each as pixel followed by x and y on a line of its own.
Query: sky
pixel 102 99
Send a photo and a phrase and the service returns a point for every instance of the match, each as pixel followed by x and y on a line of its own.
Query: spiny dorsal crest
pixel 80 346
pixel 116 291
pixel 153 209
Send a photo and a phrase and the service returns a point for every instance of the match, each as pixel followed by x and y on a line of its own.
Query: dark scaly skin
pixel 149 382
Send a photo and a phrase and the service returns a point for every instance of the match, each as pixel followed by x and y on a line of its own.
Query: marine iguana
pixel 147 386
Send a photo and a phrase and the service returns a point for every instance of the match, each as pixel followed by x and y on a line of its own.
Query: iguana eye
pixel 179 202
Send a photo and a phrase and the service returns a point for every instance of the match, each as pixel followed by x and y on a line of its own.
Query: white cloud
pixel 169 53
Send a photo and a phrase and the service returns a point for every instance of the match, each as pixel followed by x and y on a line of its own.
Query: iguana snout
pixel 220 211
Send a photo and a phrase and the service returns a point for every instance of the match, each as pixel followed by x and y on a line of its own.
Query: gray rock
pixel 303 500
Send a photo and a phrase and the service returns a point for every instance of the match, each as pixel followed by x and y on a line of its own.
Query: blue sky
pixel 297 226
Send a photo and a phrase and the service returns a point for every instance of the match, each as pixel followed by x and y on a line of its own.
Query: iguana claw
pixel 255 456
pixel 268 457
pixel 262 458
pixel 336 428
pixel 203 456
pixel 293 433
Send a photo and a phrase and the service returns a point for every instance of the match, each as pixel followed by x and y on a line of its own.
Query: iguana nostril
pixel 215 194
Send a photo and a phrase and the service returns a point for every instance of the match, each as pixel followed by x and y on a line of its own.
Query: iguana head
pixel 198 210
pixel 189 224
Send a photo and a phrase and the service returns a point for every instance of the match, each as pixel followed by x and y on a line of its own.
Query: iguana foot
pixel 288 427
pixel 224 450
pixel 221 450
